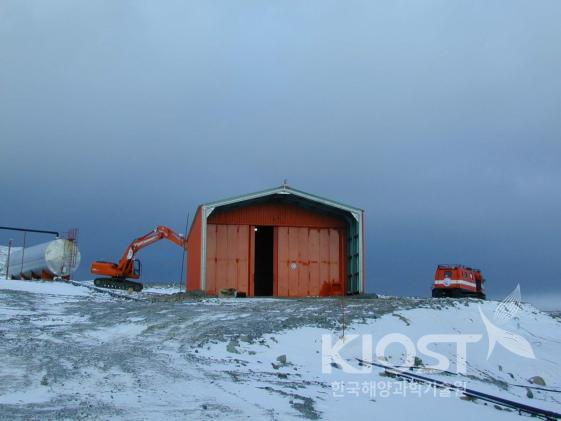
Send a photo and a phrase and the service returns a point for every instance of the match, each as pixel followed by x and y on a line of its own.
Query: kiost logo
pixel 504 312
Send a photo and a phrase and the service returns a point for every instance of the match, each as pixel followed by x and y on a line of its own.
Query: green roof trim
pixel 282 190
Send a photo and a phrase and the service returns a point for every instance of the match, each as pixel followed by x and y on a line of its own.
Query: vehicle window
pixel 465 275
pixel 448 274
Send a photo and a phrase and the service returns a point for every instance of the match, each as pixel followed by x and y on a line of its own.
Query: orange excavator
pixel 117 274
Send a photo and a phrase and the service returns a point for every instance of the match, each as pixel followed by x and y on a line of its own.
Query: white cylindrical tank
pixel 59 257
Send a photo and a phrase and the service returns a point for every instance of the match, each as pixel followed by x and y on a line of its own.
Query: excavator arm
pixel 127 266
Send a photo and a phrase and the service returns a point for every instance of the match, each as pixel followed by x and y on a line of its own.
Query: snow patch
pixel 44 287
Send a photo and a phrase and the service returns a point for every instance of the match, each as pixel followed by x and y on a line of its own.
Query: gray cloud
pixel 441 119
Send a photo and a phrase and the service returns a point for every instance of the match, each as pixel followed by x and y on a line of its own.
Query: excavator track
pixel 118 283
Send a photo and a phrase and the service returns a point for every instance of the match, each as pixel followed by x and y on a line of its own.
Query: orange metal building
pixel 278 242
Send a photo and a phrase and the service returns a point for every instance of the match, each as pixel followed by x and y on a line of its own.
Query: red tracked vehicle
pixel 458 281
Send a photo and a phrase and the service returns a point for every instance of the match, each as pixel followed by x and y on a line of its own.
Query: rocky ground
pixel 79 354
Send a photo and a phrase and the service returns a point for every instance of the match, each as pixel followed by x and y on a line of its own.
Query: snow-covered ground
pixel 72 352
pixel 157 289
pixel 43 287
pixel 150 290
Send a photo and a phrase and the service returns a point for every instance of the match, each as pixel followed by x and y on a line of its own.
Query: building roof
pixel 283 190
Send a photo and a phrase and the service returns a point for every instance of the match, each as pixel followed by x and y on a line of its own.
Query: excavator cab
pixel 137 268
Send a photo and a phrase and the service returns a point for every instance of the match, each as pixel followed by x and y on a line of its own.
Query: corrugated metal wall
pixel 275 214
pixel 353 259
pixel 194 250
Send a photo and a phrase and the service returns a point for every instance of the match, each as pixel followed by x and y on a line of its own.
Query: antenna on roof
pixel 285 184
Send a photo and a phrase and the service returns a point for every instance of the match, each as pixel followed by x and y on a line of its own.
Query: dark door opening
pixel 263 269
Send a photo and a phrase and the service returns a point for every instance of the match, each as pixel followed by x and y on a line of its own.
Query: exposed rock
pixel 232 346
pixel 402 318
pixel 537 380
pixel 227 293
pixel 282 359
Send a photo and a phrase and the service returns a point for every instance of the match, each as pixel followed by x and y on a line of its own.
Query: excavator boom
pixel 118 274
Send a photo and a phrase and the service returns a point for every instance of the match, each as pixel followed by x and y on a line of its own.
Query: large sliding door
pixel 310 261
pixel 227 258
pixel 281 261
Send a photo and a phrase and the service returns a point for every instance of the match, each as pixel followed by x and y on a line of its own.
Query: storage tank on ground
pixel 57 258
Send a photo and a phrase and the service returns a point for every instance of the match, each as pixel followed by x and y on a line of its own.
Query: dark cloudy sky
pixel 442 119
